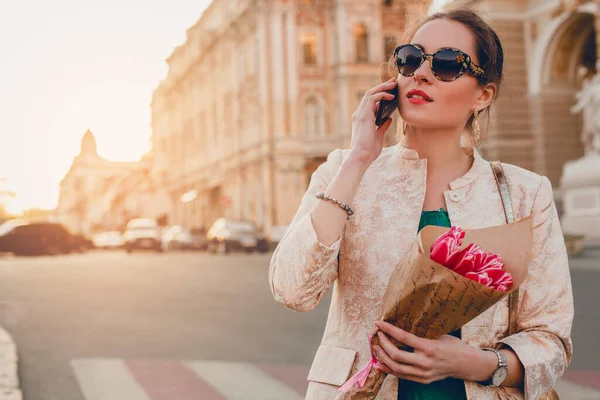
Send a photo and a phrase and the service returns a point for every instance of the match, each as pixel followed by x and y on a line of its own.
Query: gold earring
pixel 476 131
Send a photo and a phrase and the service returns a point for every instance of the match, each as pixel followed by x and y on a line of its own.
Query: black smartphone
pixel 387 107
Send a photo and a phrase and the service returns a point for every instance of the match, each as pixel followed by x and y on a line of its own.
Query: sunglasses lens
pixel 408 60
pixel 447 64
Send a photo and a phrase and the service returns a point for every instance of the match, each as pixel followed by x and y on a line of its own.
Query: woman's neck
pixel 442 150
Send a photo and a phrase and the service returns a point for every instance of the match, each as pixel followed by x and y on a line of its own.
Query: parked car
pixel 230 235
pixel 21 237
pixel 199 238
pixel 110 240
pixel 81 242
pixel 179 238
pixel 142 234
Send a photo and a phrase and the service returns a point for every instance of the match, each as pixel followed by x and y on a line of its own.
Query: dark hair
pixel 490 55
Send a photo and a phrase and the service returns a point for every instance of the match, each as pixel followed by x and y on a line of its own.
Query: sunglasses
pixel 447 64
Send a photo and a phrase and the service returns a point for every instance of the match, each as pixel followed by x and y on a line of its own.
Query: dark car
pixel 81 243
pixel 34 238
pixel 230 235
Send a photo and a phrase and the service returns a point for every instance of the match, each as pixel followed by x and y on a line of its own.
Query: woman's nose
pixel 423 73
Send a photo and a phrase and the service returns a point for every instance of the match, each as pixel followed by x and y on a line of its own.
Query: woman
pixel 392 193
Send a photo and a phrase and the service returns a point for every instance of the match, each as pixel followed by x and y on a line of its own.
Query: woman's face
pixel 452 102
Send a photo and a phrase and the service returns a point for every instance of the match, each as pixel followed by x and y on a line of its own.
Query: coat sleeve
pixel 302 269
pixel 545 315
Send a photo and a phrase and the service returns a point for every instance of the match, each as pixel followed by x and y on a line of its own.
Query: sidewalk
pixel 9 378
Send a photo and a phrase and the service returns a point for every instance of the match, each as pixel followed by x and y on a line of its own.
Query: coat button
pixel 454 197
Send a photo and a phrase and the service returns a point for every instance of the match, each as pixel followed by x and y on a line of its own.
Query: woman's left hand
pixel 432 360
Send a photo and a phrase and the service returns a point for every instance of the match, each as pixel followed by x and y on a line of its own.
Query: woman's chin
pixel 419 121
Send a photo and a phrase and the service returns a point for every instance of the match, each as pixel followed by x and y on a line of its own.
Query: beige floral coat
pixel 387 208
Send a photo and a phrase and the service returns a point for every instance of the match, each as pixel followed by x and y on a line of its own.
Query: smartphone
pixel 387 107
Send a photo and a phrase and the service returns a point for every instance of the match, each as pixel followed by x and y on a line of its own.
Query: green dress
pixel 447 389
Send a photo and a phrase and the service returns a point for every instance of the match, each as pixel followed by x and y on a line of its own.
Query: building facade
pixel 258 95
pixel 263 90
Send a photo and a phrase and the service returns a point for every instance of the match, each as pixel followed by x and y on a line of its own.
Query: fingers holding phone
pixel 367 139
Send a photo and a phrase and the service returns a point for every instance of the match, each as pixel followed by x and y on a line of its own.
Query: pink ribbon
pixel 361 376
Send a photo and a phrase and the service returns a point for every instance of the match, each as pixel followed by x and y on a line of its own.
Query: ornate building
pixel 258 95
pixel 262 90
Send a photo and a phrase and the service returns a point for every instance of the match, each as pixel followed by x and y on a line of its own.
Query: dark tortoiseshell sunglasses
pixel 447 64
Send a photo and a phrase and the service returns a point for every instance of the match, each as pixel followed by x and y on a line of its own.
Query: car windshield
pixel 9 226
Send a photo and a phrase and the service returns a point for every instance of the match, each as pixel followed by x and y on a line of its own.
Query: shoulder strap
pixel 504 190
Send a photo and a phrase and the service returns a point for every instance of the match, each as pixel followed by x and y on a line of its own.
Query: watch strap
pixel 502 363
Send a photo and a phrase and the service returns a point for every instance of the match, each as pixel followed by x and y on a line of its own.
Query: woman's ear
pixel 486 96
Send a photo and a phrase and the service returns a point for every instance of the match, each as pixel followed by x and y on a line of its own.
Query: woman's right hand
pixel 367 138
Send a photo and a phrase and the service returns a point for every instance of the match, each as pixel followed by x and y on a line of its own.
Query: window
pixel 389 46
pixel 361 39
pixel 313 118
pixel 387 3
pixel 309 48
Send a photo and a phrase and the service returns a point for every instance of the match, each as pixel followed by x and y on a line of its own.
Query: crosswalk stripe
pixel 116 379
pixel 240 381
pixel 170 380
pixel 107 379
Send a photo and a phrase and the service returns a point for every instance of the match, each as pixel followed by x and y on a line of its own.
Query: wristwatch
pixel 500 374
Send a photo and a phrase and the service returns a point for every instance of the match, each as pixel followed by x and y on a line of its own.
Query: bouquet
pixel 446 278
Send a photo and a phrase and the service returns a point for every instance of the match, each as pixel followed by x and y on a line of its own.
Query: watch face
pixel 499 376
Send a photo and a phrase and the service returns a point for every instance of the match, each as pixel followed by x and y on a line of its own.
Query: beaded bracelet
pixel 345 207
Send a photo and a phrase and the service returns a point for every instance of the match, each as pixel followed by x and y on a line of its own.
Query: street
pixel 113 326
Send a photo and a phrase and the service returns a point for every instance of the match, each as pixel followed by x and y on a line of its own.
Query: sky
pixel 67 66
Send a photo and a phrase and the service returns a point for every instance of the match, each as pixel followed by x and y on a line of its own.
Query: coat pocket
pixel 332 365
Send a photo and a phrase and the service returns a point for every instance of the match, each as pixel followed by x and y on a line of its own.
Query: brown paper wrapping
pixel 429 300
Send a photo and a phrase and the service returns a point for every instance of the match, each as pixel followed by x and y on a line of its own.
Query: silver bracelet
pixel 345 207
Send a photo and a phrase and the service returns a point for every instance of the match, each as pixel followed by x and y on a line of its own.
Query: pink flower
pixel 445 249
pixel 487 261
pixel 501 279
pixel 472 262
pixel 466 260
pixel 481 277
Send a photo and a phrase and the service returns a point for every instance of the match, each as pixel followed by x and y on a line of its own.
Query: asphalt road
pixel 72 316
